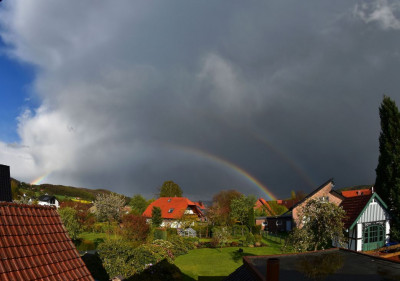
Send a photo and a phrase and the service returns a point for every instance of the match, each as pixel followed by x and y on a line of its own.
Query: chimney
pixel 5 184
pixel 273 269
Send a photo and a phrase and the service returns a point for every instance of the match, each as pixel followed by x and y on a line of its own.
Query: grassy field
pixel 215 264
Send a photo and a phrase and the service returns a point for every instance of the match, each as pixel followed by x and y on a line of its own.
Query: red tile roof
pixel 261 203
pixel 353 206
pixel 178 204
pixel 352 193
pixel 34 245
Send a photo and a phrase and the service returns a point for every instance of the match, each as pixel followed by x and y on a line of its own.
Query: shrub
pixel 221 235
pixel 257 238
pixel 117 257
pixel 168 246
pixel 180 247
pixel 135 227
pixel 256 229
pixel 149 254
pixel 239 230
pixel 250 239
pixel 160 233
pixel 85 245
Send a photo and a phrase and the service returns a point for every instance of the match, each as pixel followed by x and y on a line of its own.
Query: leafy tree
pixel 138 204
pixel 170 189
pixel 69 218
pixel 387 183
pixel 321 224
pixel 156 218
pixel 221 236
pixel 219 212
pixel 240 208
pixel 108 206
pixel 135 227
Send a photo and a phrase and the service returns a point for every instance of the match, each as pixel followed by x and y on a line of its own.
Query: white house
pixel 367 222
pixel 48 200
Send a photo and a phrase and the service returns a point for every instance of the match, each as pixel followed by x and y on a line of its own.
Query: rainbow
pixel 40 179
pixel 223 162
pixel 293 165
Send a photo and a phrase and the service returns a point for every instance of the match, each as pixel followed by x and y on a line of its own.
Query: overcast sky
pixel 213 95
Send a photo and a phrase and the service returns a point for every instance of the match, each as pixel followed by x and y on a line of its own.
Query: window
pixel 373 234
pixel 170 210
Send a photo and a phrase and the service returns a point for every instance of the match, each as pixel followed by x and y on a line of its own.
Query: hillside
pixel 62 192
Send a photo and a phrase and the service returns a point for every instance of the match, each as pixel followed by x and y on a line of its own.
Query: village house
pixel 34 244
pixel 367 221
pixel 174 210
pixel 48 200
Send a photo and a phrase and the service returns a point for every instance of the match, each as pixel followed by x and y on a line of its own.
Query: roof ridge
pixel 19 205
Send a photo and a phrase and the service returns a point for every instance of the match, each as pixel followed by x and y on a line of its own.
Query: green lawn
pixel 219 263
pixel 92 236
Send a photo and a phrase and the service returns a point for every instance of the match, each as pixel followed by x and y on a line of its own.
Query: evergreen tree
pixel 156 218
pixel 387 183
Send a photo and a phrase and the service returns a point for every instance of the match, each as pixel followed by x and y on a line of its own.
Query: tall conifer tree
pixel 387 183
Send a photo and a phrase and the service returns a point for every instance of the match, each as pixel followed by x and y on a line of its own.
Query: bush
pixel 180 247
pixel 149 254
pixel 257 238
pixel 116 255
pixel 250 239
pixel 85 245
pixel 135 227
pixel 160 233
pixel 239 230
pixel 256 229
pixel 121 257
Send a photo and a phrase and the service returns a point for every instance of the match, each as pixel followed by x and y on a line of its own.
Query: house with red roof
pixel 174 209
pixel 367 221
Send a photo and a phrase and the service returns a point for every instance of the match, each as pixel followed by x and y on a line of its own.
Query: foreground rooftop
pixel 330 265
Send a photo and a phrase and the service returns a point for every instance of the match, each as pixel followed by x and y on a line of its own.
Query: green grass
pixel 219 263
pixel 92 236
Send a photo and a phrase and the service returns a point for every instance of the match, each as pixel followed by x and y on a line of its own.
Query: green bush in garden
pixel 250 239
pixel 180 247
pixel 160 233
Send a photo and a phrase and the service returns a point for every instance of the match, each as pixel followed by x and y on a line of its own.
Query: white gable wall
pixel 374 212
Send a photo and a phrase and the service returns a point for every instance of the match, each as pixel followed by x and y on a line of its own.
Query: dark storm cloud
pixel 137 93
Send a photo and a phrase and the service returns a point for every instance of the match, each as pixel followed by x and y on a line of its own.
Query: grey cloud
pixel 155 91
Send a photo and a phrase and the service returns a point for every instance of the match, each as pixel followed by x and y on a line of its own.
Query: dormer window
pixel 170 210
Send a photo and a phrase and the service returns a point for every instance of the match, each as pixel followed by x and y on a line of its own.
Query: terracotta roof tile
pixel 35 246
pixel 353 207
pixel 359 192
pixel 178 204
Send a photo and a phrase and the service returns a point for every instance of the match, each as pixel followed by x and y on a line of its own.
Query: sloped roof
pixel 260 203
pixel 352 193
pixel 46 198
pixel 353 206
pixel 34 245
pixel 172 207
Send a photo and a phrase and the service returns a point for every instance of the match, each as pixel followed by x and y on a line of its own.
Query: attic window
pixel 373 201
pixel 170 210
